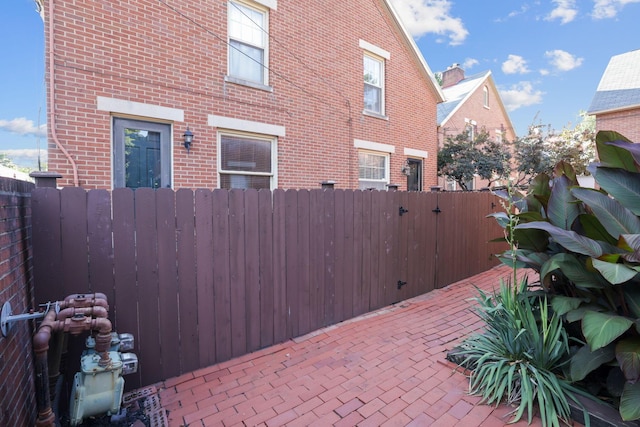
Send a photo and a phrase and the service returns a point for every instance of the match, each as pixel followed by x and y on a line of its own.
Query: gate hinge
pixel 401 284
pixel 402 210
pixel 436 210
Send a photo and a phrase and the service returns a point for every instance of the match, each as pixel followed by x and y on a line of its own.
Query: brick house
pixel 616 103
pixel 275 94
pixel 473 104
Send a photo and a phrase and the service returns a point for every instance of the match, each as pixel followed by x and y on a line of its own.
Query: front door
pixel 414 179
pixel 141 154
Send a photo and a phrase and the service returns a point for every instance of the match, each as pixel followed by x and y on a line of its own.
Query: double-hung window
pixel 246 160
pixel 373 84
pixel 248 56
pixel 373 170
pixel 374 59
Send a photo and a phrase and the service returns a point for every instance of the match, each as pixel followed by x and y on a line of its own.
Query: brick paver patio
pixel 385 368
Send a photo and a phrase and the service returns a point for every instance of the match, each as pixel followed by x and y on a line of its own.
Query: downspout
pixel 52 119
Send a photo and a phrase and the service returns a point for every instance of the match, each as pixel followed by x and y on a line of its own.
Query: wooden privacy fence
pixel 203 276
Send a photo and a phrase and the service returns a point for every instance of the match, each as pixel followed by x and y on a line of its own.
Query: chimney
pixel 452 76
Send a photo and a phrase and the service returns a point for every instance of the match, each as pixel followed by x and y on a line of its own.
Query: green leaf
pixel 628 357
pixel 593 229
pixel 568 239
pixel 501 218
pixel 535 240
pixel 561 210
pixel 614 217
pixel 585 361
pixel 632 299
pixel 573 269
pixel 610 155
pixel 614 273
pixel 632 148
pixel 630 244
pixel 562 304
pixel 624 186
pixel 630 402
pixel 601 329
pixel 563 168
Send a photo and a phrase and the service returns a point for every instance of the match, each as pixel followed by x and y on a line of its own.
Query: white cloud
pixel 469 63
pixel 515 64
pixel 562 60
pixel 544 72
pixel 23 126
pixel 27 157
pixel 520 95
pixel 603 9
pixel 565 11
pixel 421 17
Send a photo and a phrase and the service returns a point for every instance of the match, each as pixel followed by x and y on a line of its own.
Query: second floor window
pixel 247 42
pixel 373 84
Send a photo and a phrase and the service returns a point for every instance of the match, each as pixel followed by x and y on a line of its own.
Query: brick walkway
pixel 386 368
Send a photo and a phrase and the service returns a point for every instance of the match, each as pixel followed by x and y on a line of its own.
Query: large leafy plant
pixel 585 244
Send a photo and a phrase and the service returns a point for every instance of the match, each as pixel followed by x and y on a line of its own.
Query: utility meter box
pixel 96 390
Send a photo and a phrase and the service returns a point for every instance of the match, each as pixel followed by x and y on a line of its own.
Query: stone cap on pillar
pixel 45 179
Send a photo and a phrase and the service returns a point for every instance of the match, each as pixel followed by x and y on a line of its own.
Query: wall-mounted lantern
pixel 188 139
pixel 406 169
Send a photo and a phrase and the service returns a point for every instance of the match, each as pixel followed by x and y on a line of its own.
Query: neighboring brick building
pixel 278 94
pixel 474 104
pixel 616 103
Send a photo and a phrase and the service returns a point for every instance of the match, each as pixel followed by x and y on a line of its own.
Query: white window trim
pixel 263 6
pixel 374 146
pixel 245 125
pixel 411 152
pixel 387 165
pixel 273 184
pixel 377 51
pixel 378 54
pixel 248 128
pixel 271 4
pixel 132 108
pixel 485 93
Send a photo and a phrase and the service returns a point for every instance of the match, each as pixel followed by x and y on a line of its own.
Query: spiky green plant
pixel 518 357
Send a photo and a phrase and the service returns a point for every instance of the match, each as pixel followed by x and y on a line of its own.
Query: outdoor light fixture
pixel 188 139
pixel 406 169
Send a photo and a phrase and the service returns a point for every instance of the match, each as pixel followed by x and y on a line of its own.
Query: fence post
pixel 45 179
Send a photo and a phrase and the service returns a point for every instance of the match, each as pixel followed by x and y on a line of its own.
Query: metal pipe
pixel 74 318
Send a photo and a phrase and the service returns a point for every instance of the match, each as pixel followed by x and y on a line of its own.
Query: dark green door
pixel 142 154
pixel 414 179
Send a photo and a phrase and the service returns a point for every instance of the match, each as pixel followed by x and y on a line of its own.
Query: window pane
pixel 142 158
pixel 372 166
pixel 244 181
pixel 372 98
pixel 245 154
pixel 372 71
pixel 246 61
pixel 246 24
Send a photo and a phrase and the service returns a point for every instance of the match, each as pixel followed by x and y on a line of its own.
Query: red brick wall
pixel 625 122
pixel 146 52
pixel 17 395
